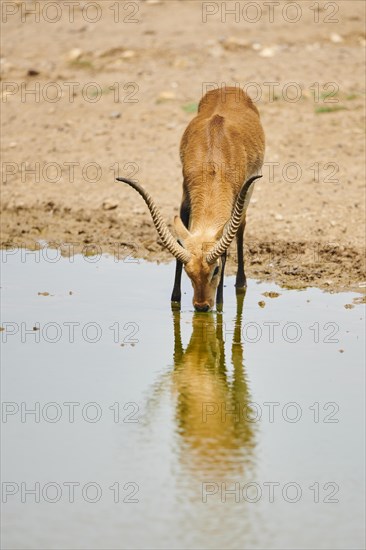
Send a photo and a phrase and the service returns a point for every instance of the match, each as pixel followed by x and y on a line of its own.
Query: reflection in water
pixel 212 410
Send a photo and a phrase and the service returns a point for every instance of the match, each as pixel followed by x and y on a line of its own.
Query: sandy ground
pixel 113 97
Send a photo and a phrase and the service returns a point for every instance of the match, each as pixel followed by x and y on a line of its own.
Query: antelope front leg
pixel 176 294
pixel 220 288
pixel 241 281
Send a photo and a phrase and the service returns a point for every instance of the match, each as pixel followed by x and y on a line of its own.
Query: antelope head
pixel 201 254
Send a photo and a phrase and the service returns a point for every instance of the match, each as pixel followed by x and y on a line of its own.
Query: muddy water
pixel 127 425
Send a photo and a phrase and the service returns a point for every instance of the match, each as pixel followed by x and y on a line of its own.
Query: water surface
pixel 160 429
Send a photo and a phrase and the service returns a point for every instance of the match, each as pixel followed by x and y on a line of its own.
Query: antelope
pixel 221 152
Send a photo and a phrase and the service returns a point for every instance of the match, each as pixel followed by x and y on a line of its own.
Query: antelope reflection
pixel 212 406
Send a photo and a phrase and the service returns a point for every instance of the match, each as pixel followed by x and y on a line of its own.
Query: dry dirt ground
pixel 91 90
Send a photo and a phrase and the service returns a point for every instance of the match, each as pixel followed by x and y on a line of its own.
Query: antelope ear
pixel 180 229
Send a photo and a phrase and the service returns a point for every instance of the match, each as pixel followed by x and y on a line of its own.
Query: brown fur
pixel 221 148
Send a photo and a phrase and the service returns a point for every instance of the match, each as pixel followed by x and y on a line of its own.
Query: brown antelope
pixel 221 151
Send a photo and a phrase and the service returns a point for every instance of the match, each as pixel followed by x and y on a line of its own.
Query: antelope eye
pixel 216 270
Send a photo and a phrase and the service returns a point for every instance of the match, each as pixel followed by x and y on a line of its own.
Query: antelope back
pixel 223 143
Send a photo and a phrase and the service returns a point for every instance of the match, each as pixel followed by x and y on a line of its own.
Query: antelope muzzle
pixel 202 307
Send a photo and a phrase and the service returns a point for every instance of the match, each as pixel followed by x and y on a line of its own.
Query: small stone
pixel 128 54
pixel 232 43
pixel 74 54
pixel 267 52
pixel 13 144
pixel 261 304
pixel 166 95
pixel 271 294
pixel 216 52
pixel 349 306
pixel 109 52
pixel 43 293
pixel 32 72
pixel 256 46
pixel 336 38
pixel 278 217
pixel 341 350
pixel 5 65
pixel 110 204
pixel 115 114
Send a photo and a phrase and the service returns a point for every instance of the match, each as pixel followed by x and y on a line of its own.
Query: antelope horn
pixel 168 240
pixel 233 224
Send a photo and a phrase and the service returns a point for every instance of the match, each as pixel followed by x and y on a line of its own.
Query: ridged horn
pixel 233 224
pixel 164 233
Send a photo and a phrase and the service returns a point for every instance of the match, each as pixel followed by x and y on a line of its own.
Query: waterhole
pixel 128 425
